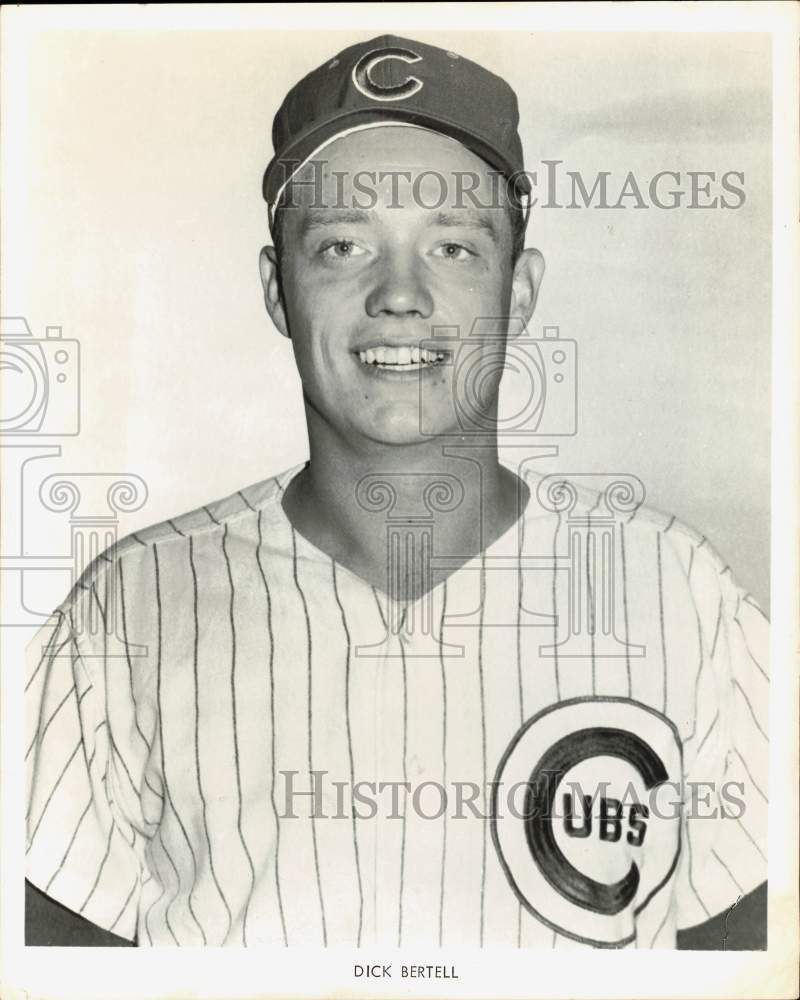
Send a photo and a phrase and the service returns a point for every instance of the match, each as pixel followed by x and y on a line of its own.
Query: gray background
pixel 145 154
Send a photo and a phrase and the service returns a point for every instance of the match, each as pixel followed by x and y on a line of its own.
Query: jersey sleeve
pixel 85 829
pixel 726 758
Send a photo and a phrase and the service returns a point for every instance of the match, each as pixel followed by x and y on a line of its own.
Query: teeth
pixel 408 358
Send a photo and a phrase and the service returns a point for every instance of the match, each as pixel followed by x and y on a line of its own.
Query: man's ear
pixel 268 266
pixel 527 280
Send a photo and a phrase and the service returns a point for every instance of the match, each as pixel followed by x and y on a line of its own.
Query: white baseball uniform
pixel 170 748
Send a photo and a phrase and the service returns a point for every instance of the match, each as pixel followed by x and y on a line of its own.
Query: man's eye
pixel 342 249
pixel 453 251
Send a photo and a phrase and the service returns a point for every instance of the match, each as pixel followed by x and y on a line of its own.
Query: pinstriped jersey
pixel 234 740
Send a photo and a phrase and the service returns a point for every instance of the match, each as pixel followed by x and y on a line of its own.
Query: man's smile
pixel 407 358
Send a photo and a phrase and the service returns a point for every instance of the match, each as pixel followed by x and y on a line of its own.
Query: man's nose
pixel 400 289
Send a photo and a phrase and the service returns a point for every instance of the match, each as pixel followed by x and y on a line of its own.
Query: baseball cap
pixel 392 80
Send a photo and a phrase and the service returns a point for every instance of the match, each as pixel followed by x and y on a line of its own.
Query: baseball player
pixel 402 694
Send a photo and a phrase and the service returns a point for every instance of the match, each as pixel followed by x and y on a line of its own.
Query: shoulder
pixel 171 536
pixel 619 505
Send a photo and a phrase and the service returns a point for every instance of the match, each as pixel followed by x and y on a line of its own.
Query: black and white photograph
pixel 398 500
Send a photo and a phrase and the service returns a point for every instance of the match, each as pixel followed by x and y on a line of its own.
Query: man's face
pixel 362 287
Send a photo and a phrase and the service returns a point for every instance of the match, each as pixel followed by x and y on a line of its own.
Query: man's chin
pixel 396 436
pixel 406 433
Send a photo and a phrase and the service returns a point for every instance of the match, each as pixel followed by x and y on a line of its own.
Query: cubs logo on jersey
pixel 598 833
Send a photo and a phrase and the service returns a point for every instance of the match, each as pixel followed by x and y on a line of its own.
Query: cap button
pixel 452 55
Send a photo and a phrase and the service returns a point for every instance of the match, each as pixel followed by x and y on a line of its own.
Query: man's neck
pixel 375 508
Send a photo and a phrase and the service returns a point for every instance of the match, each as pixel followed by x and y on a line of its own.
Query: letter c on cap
pixel 363 81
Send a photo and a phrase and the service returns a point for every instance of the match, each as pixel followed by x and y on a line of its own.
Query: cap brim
pixel 282 167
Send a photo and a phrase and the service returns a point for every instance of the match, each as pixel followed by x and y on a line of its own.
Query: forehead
pixel 404 146
pixel 401 166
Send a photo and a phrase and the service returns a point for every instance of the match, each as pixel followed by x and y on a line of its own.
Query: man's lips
pixel 406 358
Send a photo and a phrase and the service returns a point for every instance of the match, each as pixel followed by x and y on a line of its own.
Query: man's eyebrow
pixel 461 219
pixel 466 220
pixel 318 218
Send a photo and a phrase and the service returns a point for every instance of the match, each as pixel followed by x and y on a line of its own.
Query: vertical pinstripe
pixel 152 861
pixel 750 838
pixel 348 729
pixel 38 736
pixel 738 687
pixel 717 628
pixel 750 776
pixel 124 622
pixel 155 791
pixel 483 736
pixel 520 584
pixel 247 503
pixel 691 879
pixel 310 735
pixel 174 867
pixel 591 608
pixel 701 651
pixel 45 657
pixel 48 646
pixel 730 873
pixel 65 855
pixel 203 801
pixel 519 622
pixel 124 905
pixel 743 634
pixel 405 797
pixel 444 757
pixel 159 625
pixel 554 588
pixel 234 720
pixel 100 606
pixel 271 638
pixel 660 927
pixel 661 616
pixel 92 891
pixel 115 751
pixel 160 896
pixel 625 607
pixel 52 792
pixel 38 740
pixel 380 610
pixel 709 731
